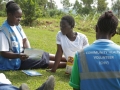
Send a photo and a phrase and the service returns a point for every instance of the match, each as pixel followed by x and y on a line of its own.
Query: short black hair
pixel 11 7
pixel 108 22
pixel 69 19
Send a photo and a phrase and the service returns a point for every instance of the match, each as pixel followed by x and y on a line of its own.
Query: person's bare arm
pixel 11 55
pixel 58 58
pixel 26 43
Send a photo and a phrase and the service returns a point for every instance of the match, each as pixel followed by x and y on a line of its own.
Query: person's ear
pixel 9 14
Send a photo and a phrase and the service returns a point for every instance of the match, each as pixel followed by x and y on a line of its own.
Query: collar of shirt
pixel 103 40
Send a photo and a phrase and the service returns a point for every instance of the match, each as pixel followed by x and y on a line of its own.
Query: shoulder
pixel 2 35
pixel 5 26
pixel 81 35
pixel 59 33
pixel 116 46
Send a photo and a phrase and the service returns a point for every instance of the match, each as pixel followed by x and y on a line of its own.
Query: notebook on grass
pixel 31 72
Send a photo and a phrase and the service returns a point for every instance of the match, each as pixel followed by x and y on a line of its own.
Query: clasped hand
pixel 23 56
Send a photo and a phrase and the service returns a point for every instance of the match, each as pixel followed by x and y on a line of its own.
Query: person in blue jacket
pixel 97 67
pixel 13 41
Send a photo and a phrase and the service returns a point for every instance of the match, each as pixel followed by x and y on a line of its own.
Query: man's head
pixel 67 23
pixel 14 13
pixel 107 23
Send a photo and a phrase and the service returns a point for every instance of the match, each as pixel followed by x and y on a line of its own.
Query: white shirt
pixel 70 47
pixel 3 79
pixel 4 41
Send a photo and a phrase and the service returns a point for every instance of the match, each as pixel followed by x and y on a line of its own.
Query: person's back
pixel 102 66
pixel 98 65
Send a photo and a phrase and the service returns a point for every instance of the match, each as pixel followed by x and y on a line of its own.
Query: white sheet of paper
pixel 34 53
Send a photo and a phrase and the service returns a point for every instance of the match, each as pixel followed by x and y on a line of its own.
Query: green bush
pixel 118 30
pixel 2 13
pixel 30 10
pixel 2 8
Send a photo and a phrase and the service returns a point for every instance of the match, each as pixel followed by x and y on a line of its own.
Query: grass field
pixel 43 36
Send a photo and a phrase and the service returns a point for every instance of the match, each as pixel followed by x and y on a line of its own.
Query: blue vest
pixel 99 66
pixel 5 63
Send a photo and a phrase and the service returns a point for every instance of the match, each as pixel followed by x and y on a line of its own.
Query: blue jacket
pixel 5 63
pixel 99 66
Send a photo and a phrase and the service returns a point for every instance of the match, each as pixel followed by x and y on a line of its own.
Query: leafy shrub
pixel 2 8
pixel 2 13
pixel 118 30
pixel 30 10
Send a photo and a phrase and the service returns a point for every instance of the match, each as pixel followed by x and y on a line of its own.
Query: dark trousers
pixel 35 64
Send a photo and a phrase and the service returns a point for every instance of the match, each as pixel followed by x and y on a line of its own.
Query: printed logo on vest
pixel 14 44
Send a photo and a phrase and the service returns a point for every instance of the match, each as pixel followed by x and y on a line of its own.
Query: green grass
pixel 17 77
pixel 43 36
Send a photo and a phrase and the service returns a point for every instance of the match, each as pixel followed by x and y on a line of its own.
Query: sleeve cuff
pixel 74 86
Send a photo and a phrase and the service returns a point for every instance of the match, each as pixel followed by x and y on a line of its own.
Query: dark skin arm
pixel 58 58
pixel 12 55
pixel 26 43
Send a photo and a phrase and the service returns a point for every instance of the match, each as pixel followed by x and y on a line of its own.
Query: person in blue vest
pixel 97 67
pixel 13 41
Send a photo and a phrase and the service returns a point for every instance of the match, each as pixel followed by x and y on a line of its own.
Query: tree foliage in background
pixel 77 7
pixel 66 4
pixel 51 5
pixel 30 10
pixel 116 7
pixel 86 6
pixel 87 3
pixel 42 3
pixel 2 8
pixel 101 5
pixel 34 9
